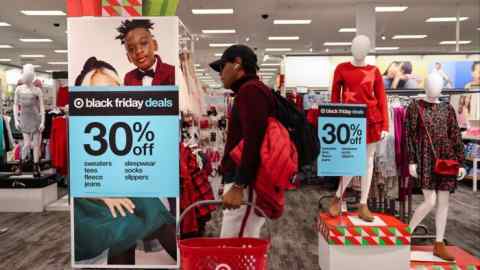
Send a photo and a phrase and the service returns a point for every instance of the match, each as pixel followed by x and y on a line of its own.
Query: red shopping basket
pixel 240 253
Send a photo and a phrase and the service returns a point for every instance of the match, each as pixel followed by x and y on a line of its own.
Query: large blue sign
pixel 342 133
pixel 123 141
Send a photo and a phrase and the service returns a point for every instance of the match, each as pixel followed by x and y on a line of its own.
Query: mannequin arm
pixel 336 86
pixel 42 109
pixel 461 174
pixel 411 131
pixel 381 96
pixel 412 169
pixel 15 109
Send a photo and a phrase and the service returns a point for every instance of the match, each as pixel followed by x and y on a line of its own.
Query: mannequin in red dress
pixel 357 82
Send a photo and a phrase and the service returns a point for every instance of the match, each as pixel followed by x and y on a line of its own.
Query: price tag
pixel 123 141
pixel 342 133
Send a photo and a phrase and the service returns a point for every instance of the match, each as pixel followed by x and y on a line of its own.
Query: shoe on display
pixel 440 250
pixel 335 206
pixel 18 170
pixel 36 170
pixel 365 214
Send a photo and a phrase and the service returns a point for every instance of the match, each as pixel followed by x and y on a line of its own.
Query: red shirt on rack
pixel 363 85
pixel 58 145
pixel 62 96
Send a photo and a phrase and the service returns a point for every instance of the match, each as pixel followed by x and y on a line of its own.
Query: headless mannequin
pixel 29 118
pixel 361 46
pixel 433 88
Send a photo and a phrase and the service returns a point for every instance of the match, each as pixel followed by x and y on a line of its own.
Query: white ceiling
pixel 327 17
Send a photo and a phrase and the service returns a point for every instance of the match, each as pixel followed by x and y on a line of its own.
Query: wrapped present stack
pixel 348 243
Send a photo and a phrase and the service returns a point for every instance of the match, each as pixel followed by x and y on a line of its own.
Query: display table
pixel 26 193
pixel 464 261
pixel 349 243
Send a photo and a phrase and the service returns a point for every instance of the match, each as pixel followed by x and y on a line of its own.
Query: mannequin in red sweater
pixel 357 82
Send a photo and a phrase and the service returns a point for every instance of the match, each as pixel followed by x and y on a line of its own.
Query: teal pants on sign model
pixel 96 230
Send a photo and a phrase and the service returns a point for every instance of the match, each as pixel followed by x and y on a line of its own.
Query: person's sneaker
pixel 440 250
pixel 364 213
pixel 335 207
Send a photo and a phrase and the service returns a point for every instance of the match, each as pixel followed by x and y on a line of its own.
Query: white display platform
pixel 338 257
pixel 27 199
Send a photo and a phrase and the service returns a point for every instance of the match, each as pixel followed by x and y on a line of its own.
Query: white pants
pixel 234 220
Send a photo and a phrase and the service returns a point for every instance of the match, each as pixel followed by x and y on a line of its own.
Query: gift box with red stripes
pixel 394 233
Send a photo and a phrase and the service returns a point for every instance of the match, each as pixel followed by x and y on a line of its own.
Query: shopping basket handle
pixel 219 202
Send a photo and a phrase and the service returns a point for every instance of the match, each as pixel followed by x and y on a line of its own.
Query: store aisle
pixel 294 239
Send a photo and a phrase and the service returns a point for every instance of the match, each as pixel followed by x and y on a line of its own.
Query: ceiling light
pixel 391 9
pixel 337 43
pixel 212 11
pixel 224 31
pixel 292 21
pixel 200 70
pixel 53 70
pixel 270 64
pixel 61 51
pixel 5 60
pixel 37 66
pixel 445 19
pixel 347 30
pixel 278 49
pixel 4 24
pixel 268 69
pixel 327 50
pixel 43 12
pixel 5 46
pixel 284 38
pixel 247 39
pixel 218 54
pixel 453 42
pixel 384 37
pixel 220 45
pixel 197 65
pixel 32 55
pixel 35 40
pixel 409 36
pixel 478 28
pixel 387 48
pixel 58 63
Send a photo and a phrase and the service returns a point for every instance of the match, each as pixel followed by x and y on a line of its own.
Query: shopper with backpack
pixel 254 103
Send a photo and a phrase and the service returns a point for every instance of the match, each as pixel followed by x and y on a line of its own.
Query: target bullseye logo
pixel 223 267
pixel 79 103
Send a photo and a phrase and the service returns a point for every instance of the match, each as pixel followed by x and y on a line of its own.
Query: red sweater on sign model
pixel 363 85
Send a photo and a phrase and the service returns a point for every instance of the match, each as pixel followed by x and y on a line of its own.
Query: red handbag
pixel 445 167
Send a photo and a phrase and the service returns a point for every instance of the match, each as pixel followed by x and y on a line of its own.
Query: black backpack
pixel 302 133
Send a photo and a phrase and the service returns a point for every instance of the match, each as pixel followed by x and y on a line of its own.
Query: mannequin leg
pixel 27 144
pixel 366 181
pixel 440 250
pixel 441 214
pixel 36 145
pixel 425 208
pixel 37 152
pixel 342 186
pixel 335 205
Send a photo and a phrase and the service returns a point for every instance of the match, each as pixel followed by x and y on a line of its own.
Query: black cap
pixel 244 52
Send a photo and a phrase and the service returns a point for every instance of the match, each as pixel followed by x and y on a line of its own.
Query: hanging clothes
pixel 384 156
pixel 62 96
pixel 194 186
pixel 440 121
pixel 59 144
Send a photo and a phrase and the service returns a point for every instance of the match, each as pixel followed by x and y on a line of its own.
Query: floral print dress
pixel 441 123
